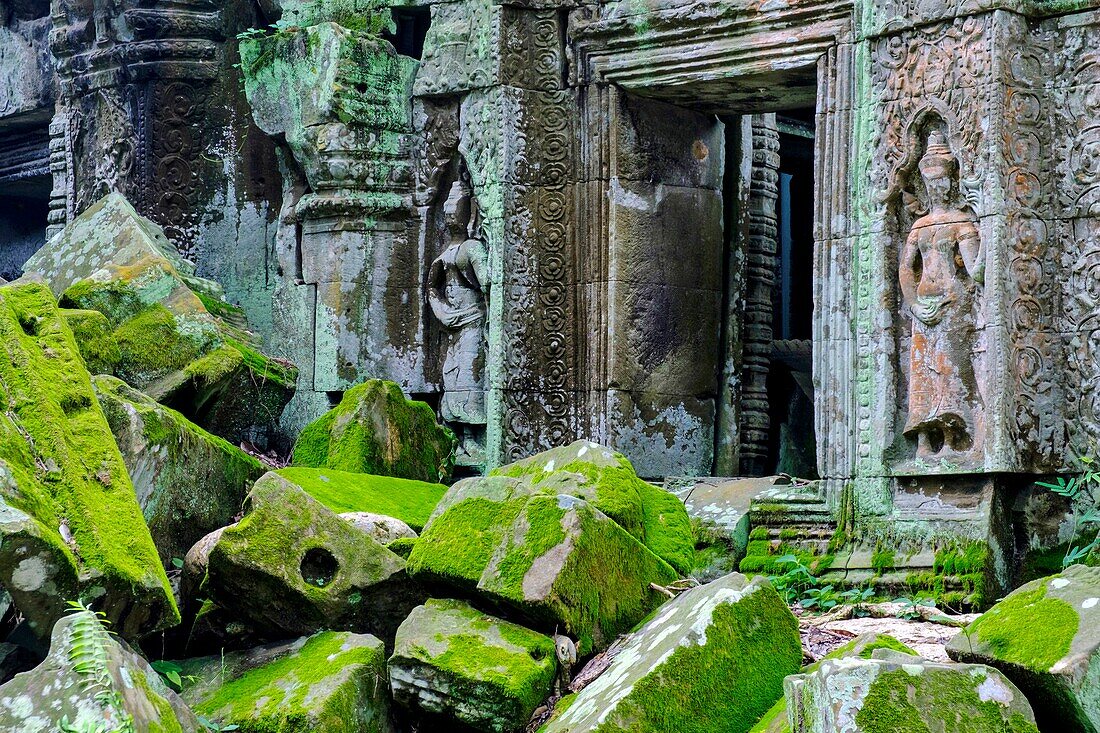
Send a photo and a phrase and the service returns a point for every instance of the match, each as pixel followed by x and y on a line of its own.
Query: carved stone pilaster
pixel 759 282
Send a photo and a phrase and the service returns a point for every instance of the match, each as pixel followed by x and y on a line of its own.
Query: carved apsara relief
pixel 458 288
pixel 940 273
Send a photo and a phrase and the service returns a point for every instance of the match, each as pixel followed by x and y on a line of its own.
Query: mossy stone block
pixel 341 491
pixel 893 692
pixel 863 646
pixel 375 429
pixel 189 482
pixel 606 479
pixel 1045 637
pixel 714 658
pixel 453 661
pixel 70 525
pixel 292 566
pixel 90 681
pixel 168 332
pixel 554 559
pixel 331 682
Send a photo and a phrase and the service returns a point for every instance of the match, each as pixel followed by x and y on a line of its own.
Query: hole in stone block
pixel 319 567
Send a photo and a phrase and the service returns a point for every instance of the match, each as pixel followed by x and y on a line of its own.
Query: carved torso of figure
pixel 939 272
pixel 456 293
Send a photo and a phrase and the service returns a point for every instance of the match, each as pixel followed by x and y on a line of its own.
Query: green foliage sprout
pixel 1083 492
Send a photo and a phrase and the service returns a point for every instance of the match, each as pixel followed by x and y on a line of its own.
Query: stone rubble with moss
pixel 714 658
pixel 331 682
pixel 605 478
pixel 164 330
pixel 70 525
pixel 452 661
pixel 188 481
pixel 892 692
pixel 547 557
pixel 376 430
pixel 90 682
pixel 293 566
pixel 1045 637
pixel 862 647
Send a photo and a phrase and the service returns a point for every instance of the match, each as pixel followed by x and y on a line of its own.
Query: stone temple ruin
pixel 852 241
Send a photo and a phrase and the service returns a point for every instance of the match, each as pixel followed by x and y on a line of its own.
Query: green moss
pixel 520 664
pixel 1011 632
pixel 775 720
pixel 62 462
pixel 153 343
pixel 410 501
pixel 883 560
pixel 376 430
pixel 649 513
pixel 402 546
pixel 727 684
pixel 457 547
pixel 934 700
pixel 283 695
pixel 95 340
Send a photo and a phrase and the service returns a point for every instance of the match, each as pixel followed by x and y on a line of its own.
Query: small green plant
pixel 170 671
pixel 856 597
pixel 1083 492
pixel 793 583
pixel 88 655
pixel 910 607
pixel 823 598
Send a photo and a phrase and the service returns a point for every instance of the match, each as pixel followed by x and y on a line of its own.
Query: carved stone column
pixel 759 282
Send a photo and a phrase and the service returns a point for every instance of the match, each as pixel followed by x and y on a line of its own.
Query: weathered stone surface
pixel 376 430
pixel 91 682
pixel 70 524
pixel 331 682
pixel 170 334
pixel 454 661
pixel 188 481
pixel 382 528
pixel 549 557
pixel 607 480
pixel 862 647
pixel 292 566
pixel 892 689
pixel 712 659
pixel 1045 637
pixel 407 500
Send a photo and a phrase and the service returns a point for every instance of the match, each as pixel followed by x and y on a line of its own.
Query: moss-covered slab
pixel 893 693
pixel 91 682
pixel 410 501
pixel 713 659
pixel 606 479
pixel 292 566
pixel 189 482
pixel 164 330
pixel 453 661
pixel 862 647
pixel 331 682
pixel 555 559
pixel 1045 637
pixel 70 525
pixel 376 429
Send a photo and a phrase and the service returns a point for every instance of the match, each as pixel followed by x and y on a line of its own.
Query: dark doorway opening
pixel 410 30
pixel 792 445
pixel 25 185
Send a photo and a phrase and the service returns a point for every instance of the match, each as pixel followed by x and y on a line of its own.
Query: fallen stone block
pixel 1045 637
pixel 331 682
pixel 453 661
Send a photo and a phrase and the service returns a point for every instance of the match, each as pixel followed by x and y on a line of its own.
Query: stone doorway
pixel 25 185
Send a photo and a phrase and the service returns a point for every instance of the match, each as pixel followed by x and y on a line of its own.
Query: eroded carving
pixel 457 292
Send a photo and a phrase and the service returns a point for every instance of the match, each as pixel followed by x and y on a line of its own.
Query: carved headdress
pixel 938 161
